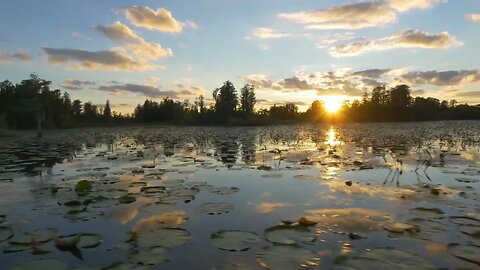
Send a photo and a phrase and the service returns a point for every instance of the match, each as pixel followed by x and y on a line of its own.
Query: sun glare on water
pixel 333 103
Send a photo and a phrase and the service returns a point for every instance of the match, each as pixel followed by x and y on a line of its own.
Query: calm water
pixel 372 196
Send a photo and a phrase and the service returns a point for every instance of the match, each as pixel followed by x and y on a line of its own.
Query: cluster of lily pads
pixel 142 178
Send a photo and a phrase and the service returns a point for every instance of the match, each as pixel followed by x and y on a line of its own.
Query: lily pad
pixel 289 234
pixel 127 198
pixel 215 208
pixel 234 240
pixel 382 258
pixel 49 264
pixel 44 235
pixel 150 257
pixel 5 233
pixel 427 212
pixel 83 187
pixel 169 237
pixel 468 253
pixel 90 240
pixel 287 257
pixel 223 190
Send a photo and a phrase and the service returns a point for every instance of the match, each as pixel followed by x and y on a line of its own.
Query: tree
pixel 107 111
pixel 76 109
pixel 226 101
pixel 400 96
pixel 200 104
pixel 247 99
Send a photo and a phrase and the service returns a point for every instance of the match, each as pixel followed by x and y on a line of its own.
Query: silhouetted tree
pixel 226 101
pixel 107 111
pixel 247 99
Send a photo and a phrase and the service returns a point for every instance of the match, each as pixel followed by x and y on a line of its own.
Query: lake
pixel 359 196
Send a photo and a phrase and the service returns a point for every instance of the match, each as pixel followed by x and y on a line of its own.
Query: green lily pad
pixel 5 233
pixel 383 258
pixel 49 264
pixel 234 240
pixel 83 187
pixel 44 235
pixel 289 234
pixel 153 256
pixel 287 257
pixel 224 190
pixel 215 208
pixel 427 212
pixel 127 198
pixel 468 253
pixel 169 237
pixel 90 240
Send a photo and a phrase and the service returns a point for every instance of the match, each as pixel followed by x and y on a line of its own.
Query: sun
pixel 333 103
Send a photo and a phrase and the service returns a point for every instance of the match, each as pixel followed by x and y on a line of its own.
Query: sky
pixel 290 50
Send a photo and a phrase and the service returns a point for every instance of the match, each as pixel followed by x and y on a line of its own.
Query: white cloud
pixel 408 38
pixel 19 55
pixel 118 32
pixel 158 20
pixel 474 17
pixel 268 33
pixel 356 15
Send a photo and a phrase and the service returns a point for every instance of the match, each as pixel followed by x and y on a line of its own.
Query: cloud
pixel 268 33
pixel 408 38
pixel 158 20
pixel 356 15
pixel 406 5
pixel 96 60
pixel 260 81
pixel 296 83
pixel 474 17
pixel 355 83
pixel 469 94
pixel 19 55
pixel 118 32
pixel 442 78
pixel 77 84
pixel 145 90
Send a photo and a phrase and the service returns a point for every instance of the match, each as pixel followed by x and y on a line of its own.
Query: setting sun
pixel 333 103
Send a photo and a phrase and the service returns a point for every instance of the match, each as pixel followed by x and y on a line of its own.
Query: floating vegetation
pixel 142 198
pixel 382 258
pixel 288 257
pixel 215 208
pixel 234 240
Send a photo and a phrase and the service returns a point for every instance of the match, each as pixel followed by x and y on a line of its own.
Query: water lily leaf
pixel 17 247
pixel 3 218
pixel 5 233
pixel 287 257
pixel 427 212
pixel 67 242
pixel 44 235
pixel 153 256
pixel 20 239
pixel 90 240
pixel 127 198
pixel 383 258
pixel 215 208
pixel 49 264
pixel 402 227
pixel 234 240
pixel 223 190
pixel 83 186
pixel 467 180
pixel 465 221
pixel 289 234
pixel 169 237
pixel 468 253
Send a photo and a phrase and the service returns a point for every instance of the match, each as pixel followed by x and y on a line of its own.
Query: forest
pixel 32 104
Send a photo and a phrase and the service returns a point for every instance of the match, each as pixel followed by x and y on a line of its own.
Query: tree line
pixel 32 104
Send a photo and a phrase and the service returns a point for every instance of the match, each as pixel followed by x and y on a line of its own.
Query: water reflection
pixel 332 139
